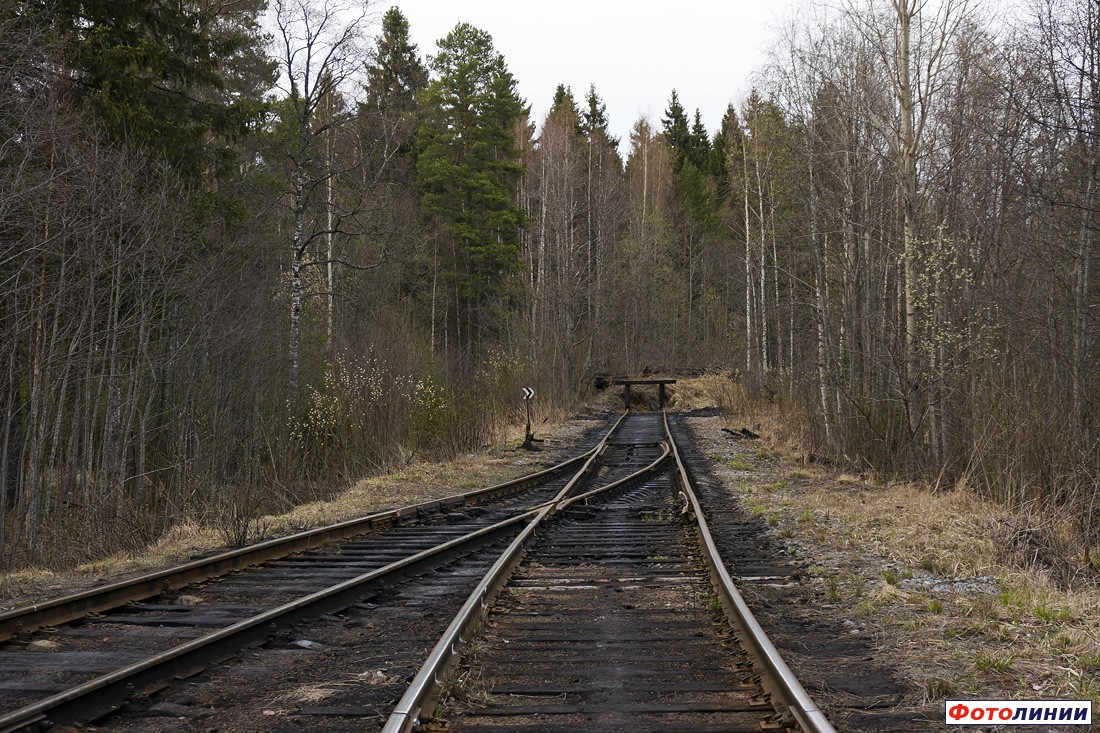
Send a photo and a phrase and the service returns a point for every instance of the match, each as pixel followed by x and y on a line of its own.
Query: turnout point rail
pixel 589 621
pixel 594 589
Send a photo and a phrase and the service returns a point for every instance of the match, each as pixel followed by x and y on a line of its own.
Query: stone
pixel 172 710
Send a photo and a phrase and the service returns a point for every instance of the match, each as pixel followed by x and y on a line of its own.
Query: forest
pixel 255 250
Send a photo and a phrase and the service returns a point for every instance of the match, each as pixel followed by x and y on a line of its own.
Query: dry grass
pixel 417 483
pixel 181 542
pixel 949 579
pixel 699 392
pixel 692 393
pixel 306 695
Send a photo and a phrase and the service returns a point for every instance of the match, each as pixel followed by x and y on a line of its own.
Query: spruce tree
pixel 693 183
pixel 676 131
pixel 595 116
pixel 180 79
pixel 397 74
pixel 388 115
pixel 718 164
pixel 563 97
pixel 699 143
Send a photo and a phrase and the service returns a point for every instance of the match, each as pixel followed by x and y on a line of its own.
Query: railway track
pixel 620 616
pixel 588 598
pixel 121 639
pixel 610 624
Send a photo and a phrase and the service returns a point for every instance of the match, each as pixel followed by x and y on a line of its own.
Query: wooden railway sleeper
pixel 781 691
pixel 83 604
pixel 421 693
pixel 105 692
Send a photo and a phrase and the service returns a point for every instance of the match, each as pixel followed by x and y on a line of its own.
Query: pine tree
pixel 468 171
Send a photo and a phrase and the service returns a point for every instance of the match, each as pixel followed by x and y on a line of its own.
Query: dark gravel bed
pixel 845 670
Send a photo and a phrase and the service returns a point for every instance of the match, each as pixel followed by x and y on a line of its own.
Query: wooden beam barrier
pixel 662 395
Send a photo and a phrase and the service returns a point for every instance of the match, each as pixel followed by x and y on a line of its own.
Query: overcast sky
pixel 635 52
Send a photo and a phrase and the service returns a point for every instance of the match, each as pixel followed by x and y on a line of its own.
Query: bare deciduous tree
pixel 320 47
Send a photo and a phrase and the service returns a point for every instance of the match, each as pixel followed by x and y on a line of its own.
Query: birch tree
pixel 914 41
pixel 564 326
pixel 604 214
pixel 319 47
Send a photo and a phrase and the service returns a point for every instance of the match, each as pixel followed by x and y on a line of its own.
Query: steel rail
pixel 191 656
pixel 69 608
pixel 100 693
pixel 197 653
pixel 424 688
pixel 779 681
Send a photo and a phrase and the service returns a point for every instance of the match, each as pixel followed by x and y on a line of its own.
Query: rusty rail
pixel 788 695
pixel 69 608
pixel 425 687
pixel 101 693
pixel 780 682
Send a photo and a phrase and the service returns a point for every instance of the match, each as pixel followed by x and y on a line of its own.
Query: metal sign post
pixel 529 438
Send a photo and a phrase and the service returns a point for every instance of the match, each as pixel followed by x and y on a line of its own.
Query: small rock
pixel 311 645
pixel 189 600
pixel 43 645
pixel 172 710
pixel 270 712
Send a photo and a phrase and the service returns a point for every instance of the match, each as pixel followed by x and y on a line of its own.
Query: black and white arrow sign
pixel 528 393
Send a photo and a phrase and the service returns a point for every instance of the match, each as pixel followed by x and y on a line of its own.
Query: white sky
pixel 635 51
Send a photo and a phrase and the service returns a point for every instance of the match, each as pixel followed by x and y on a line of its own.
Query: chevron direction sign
pixel 528 393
